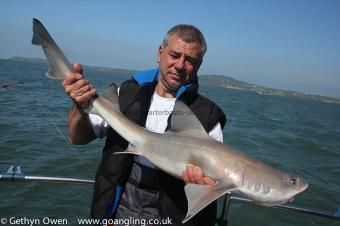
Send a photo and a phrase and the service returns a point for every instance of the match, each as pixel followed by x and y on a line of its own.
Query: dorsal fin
pixel 109 96
pixel 184 121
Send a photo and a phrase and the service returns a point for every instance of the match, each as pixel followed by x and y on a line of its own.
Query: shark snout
pixel 302 185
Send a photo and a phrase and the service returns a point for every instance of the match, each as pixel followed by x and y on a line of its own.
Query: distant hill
pixel 230 83
pixel 29 60
pixel 212 80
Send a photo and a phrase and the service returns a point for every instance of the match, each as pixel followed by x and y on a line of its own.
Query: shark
pixel 185 143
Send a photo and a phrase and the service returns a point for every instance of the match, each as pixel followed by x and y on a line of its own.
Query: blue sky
pixel 291 44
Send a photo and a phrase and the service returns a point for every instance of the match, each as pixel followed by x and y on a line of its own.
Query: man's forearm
pixel 80 129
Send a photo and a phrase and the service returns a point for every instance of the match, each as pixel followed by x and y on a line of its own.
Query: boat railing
pixel 14 174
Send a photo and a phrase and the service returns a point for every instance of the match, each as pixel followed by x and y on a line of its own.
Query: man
pixel 130 186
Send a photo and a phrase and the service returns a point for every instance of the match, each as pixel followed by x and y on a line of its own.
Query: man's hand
pixel 77 88
pixel 194 175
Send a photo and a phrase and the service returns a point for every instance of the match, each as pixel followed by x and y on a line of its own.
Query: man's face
pixel 178 62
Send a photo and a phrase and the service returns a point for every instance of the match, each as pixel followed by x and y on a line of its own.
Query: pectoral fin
pixel 200 196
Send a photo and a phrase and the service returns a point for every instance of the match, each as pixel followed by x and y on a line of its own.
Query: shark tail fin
pixel 38 30
pixel 59 65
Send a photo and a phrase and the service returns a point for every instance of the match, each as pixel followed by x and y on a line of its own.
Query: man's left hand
pixel 194 175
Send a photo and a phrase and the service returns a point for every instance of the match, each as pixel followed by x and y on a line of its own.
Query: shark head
pixel 285 191
pixel 294 185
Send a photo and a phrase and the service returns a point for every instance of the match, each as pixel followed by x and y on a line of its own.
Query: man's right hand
pixel 77 88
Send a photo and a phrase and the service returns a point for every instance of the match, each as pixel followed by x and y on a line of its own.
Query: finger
pixel 189 171
pixel 72 78
pixel 77 68
pixel 82 90
pixel 185 178
pixel 80 84
pixel 208 181
pixel 198 175
pixel 83 93
pixel 72 89
pixel 84 99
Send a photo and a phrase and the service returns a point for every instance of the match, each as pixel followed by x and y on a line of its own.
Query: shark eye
pixel 293 181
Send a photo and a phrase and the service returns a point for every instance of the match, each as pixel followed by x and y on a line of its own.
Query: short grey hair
pixel 189 34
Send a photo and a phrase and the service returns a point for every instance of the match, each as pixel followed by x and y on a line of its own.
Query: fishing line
pixel 9 84
pixel 66 140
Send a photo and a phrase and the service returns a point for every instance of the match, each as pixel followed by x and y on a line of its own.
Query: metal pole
pixel 57 180
pixel 222 220
pixel 15 174
pixel 293 208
